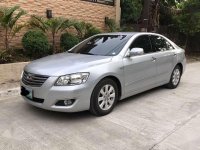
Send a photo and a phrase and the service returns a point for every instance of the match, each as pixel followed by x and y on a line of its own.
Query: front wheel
pixel 104 97
pixel 175 78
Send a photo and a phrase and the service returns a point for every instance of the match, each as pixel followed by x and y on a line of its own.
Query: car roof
pixel 119 33
pixel 128 33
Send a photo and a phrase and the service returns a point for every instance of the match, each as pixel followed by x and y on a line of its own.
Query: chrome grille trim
pixel 33 79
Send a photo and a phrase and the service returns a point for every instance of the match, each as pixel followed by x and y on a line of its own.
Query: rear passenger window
pixel 142 42
pixel 160 44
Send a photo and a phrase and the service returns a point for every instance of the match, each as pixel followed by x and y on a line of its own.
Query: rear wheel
pixel 175 78
pixel 104 97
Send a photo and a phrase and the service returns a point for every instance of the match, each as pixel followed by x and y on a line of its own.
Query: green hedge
pixel 67 41
pixel 36 44
pixel 92 31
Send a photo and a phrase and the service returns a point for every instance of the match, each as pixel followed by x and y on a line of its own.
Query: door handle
pixel 153 59
pixel 175 54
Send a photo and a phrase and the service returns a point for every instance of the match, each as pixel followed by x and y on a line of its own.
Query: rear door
pixel 140 71
pixel 165 57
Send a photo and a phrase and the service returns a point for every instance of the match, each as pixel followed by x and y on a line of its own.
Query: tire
pixel 104 97
pixel 175 78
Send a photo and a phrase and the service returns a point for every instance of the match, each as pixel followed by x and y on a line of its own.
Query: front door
pixel 140 71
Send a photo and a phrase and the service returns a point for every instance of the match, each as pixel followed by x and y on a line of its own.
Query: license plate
pixel 30 95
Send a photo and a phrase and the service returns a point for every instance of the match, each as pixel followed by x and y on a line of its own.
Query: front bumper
pixel 52 94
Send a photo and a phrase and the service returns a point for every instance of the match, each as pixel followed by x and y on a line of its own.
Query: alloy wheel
pixel 106 97
pixel 176 76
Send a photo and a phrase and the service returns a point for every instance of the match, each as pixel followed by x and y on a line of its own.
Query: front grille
pixel 33 79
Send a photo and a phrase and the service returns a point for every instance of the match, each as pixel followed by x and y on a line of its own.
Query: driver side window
pixel 142 42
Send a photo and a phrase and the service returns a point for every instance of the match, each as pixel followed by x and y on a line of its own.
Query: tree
pixel 8 21
pixel 131 10
pixel 51 26
pixel 169 9
pixel 188 22
pixel 154 20
pixel 161 12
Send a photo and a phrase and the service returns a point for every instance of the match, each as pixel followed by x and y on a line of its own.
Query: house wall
pixel 75 9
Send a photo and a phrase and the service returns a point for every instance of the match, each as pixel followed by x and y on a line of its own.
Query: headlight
pixel 22 74
pixel 72 79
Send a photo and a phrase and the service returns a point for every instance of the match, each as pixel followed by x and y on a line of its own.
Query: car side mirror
pixel 135 52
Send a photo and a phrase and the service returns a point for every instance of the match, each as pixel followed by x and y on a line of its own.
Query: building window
pixel 106 2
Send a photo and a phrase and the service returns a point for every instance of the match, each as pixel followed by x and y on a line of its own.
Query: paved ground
pixel 9 89
pixel 160 119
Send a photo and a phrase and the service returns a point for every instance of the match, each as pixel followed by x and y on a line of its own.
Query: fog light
pixel 67 102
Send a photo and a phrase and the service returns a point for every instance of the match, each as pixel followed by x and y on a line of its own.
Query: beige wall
pixel 11 72
pixel 76 9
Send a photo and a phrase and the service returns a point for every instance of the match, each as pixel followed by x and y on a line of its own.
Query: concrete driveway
pixel 160 119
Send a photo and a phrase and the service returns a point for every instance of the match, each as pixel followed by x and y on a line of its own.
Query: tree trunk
pixel 145 15
pixel 6 40
pixel 154 16
pixel 53 43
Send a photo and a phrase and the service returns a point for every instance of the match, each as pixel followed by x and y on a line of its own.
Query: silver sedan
pixel 101 70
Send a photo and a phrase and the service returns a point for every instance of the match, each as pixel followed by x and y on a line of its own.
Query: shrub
pixel 5 57
pixel 111 24
pixel 53 26
pixel 128 28
pixel 92 31
pixel 36 44
pixel 67 41
pixel 85 29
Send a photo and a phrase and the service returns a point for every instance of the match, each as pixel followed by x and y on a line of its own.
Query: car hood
pixel 64 63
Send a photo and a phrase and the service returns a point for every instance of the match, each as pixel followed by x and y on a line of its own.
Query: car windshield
pixel 104 45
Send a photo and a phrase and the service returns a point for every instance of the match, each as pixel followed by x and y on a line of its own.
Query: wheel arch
pixel 181 66
pixel 116 80
pixel 94 109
